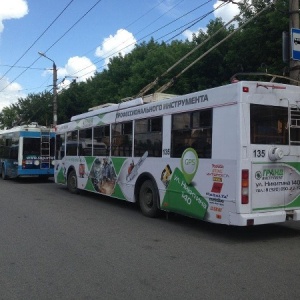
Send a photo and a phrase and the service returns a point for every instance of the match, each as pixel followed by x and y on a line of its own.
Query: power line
pixel 160 16
pixel 162 27
pixel 126 27
pixel 152 84
pixel 53 43
pixel 73 26
pixel 189 24
pixel 112 53
pixel 146 13
pixel 37 39
pixel 170 83
pixel 21 67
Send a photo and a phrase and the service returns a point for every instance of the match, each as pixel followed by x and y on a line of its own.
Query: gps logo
pixel 190 161
pixel 189 164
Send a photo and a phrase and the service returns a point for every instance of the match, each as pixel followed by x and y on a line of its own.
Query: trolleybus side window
pixel 122 139
pixel 148 137
pixel 101 142
pixel 60 146
pixel 2 143
pixel 269 124
pixel 72 142
pixel 4 146
pixel 192 129
pixel 85 142
pixel 14 148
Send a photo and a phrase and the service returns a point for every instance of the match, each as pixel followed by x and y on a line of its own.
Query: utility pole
pixel 54 94
pixel 54 88
pixel 294 23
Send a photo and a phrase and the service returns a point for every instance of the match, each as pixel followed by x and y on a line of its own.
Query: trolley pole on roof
pixel 294 23
pixel 54 88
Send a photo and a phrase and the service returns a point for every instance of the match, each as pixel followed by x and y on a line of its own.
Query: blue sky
pixel 81 35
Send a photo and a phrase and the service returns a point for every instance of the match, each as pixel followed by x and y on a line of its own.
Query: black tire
pixel 72 182
pixel 149 199
pixel 3 175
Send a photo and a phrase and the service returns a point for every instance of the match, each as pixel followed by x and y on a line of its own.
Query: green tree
pixel 33 108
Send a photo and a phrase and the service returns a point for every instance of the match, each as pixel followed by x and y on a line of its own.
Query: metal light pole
pixel 54 88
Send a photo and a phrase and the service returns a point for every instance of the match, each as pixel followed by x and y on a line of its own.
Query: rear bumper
pixel 264 217
pixel 35 172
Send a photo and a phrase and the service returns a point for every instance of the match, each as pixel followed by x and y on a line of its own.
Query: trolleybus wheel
pixel 148 199
pixel 72 182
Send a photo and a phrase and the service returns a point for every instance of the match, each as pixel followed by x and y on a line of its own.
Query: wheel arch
pixel 71 168
pixel 72 184
pixel 142 178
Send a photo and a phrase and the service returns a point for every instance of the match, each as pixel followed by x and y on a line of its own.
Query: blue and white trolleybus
pixel 27 150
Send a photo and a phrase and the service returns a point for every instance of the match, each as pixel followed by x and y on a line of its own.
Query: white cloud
pixel 81 67
pixel 122 42
pixel 188 34
pixel 78 68
pixel 10 94
pixel 226 12
pixel 12 9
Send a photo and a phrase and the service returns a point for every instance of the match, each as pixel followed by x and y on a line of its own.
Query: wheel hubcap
pixel 148 198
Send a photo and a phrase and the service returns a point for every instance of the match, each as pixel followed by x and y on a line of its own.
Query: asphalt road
pixel 55 245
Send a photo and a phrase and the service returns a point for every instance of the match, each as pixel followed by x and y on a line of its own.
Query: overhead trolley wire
pixel 14 65
pixel 168 12
pixel 54 43
pixel 73 25
pixel 164 26
pixel 143 15
pixel 112 54
pixel 127 26
pixel 190 24
pixel 171 82
pixel 153 83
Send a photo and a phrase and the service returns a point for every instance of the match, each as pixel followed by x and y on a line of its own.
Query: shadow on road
pixel 32 180
pixel 240 234
pixel 286 230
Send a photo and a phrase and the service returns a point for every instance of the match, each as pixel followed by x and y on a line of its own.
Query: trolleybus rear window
pixel 269 124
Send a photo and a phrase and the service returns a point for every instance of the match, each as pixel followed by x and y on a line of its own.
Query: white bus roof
pixel 229 94
pixel 28 127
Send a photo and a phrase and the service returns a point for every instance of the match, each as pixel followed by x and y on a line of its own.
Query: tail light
pixel 245 187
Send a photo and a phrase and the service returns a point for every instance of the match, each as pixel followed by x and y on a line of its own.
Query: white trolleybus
pixel 228 155
pixel 27 150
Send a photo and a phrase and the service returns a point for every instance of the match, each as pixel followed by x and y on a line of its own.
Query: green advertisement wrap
pixel 115 176
pixel 102 176
pixel 184 198
pixel 61 178
pixel 276 186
